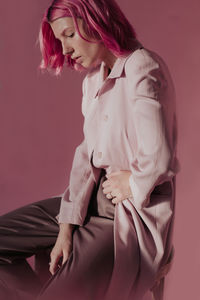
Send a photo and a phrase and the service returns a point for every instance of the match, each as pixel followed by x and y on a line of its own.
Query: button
pixel 99 154
pixel 105 117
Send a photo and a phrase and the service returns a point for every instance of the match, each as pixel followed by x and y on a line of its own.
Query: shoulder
pixel 146 64
pixel 143 61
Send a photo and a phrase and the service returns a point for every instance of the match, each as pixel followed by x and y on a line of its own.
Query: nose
pixel 66 49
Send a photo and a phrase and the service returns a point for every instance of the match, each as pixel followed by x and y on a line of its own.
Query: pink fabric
pixel 130 124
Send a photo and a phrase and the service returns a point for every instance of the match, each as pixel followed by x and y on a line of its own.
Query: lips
pixel 78 59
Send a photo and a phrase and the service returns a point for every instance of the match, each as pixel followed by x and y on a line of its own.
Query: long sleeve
pixel 153 160
pixel 153 156
pixel 73 207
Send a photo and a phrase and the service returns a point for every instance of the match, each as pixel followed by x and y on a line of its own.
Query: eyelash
pixel 71 35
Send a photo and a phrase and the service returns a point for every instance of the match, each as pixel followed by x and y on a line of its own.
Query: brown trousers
pixel 29 229
pixel 23 233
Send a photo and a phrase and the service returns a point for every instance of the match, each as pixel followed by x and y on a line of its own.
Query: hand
pixel 62 248
pixel 117 185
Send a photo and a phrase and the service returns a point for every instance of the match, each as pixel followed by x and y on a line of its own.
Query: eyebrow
pixel 66 29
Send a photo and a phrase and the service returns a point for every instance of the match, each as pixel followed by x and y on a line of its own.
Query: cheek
pixel 89 49
pixel 95 52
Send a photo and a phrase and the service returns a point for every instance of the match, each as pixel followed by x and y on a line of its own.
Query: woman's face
pixel 85 53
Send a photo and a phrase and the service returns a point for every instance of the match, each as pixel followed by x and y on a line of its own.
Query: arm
pixel 152 161
pixel 150 130
pixel 153 156
pixel 70 208
pixel 71 212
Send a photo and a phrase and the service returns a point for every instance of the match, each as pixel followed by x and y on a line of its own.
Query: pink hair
pixel 103 20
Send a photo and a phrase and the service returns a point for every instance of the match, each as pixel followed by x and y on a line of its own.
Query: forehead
pixel 61 24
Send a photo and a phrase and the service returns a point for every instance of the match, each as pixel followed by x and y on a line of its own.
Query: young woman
pixel 110 233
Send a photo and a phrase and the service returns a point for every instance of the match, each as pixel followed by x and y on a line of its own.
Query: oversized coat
pixel 130 124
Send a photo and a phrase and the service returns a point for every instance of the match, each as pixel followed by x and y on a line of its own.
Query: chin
pixel 93 64
pixel 90 64
pixel 84 64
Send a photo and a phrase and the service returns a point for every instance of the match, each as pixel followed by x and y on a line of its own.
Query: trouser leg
pixel 24 232
pixel 87 272
pixel 158 291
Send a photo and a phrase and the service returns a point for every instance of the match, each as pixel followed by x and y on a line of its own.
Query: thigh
pixel 28 229
pixel 87 272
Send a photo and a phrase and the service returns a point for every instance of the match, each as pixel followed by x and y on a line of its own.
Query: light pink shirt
pixel 129 124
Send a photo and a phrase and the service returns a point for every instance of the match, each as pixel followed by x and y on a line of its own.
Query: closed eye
pixel 70 36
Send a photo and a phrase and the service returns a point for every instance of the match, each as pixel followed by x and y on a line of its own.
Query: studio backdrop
pixel 41 120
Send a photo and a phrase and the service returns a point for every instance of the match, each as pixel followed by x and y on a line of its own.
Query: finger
pixel 112 174
pixel 109 184
pixel 107 190
pixel 118 198
pixel 106 183
pixel 115 200
pixel 109 196
pixel 54 264
pixel 65 257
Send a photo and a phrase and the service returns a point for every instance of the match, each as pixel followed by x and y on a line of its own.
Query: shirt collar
pixel 116 69
pixel 118 66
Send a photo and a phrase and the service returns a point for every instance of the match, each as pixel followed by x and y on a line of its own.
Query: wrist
pixel 65 227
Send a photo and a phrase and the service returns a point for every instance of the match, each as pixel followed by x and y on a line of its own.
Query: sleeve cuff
pixel 132 186
pixel 69 212
pixel 136 195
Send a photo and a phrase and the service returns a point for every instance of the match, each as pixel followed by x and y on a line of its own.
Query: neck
pixel 109 59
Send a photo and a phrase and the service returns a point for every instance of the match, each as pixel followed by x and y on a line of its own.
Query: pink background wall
pixel 41 121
